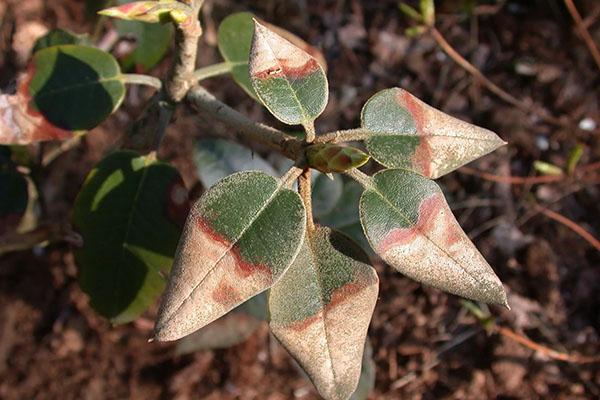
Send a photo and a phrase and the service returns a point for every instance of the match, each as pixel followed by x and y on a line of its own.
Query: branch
pixel 45 233
pixel 585 34
pixel 304 185
pixel 277 140
pixel 348 135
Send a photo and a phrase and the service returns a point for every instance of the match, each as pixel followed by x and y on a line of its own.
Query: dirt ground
pixel 426 344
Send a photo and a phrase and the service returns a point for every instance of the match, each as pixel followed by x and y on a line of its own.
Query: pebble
pixel 587 124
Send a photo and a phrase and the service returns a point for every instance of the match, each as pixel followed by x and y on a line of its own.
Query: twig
pixel 578 229
pixel 556 355
pixel 45 233
pixel 210 71
pixel 304 185
pixel 140 79
pixel 585 34
pixel 347 135
pixel 526 107
pixel 274 138
pixel 65 146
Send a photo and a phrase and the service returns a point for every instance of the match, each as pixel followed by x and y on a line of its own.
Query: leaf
pixel 130 213
pixel 366 384
pixel 574 156
pixel 409 224
pixel 235 39
pixel 145 11
pixel 239 238
pixel 13 193
pixel 288 80
pixel 428 11
pixel 545 168
pixel 231 329
pixel 57 37
pixel 410 134
pixel 321 309
pixel 217 158
pixel 75 87
pixel 327 157
pixel 152 43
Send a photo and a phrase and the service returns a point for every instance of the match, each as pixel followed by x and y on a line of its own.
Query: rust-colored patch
pixel 284 70
pixel 339 296
pixel 421 158
pixel 414 108
pixel 226 294
pixel 429 210
pixel 177 203
pixel 243 268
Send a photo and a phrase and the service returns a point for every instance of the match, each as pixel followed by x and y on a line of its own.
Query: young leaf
pixel 75 87
pixel 410 134
pixel 57 37
pixel 217 158
pixel 235 40
pixel 130 213
pixel 145 11
pixel 288 80
pixel 321 309
pixel 428 11
pixel 13 193
pixel 327 157
pixel 409 224
pixel 239 238
pixel 152 42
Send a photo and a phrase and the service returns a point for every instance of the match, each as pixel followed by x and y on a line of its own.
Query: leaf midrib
pixel 47 92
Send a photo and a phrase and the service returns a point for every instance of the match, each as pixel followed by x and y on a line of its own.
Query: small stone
pixel 542 143
pixel 587 124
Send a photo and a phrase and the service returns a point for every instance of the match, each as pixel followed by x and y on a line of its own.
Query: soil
pixel 426 344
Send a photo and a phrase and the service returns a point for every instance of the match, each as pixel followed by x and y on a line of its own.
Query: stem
pixel 44 233
pixel 304 184
pixel 247 129
pixel 290 177
pixel 360 177
pixel 211 70
pixel 585 34
pixel 186 50
pixel 309 127
pixel 140 79
pixel 492 87
pixel 347 135
pixel 65 146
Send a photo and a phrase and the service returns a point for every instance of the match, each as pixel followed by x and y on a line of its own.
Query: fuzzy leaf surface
pixel 217 158
pixel 409 224
pixel 409 134
pixel 235 39
pixel 130 213
pixel 239 238
pixel 288 80
pixel 75 87
pixel 321 310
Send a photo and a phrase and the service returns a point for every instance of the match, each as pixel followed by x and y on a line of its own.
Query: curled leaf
pixel 334 158
pixel 288 80
pixel 321 309
pixel 409 134
pixel 239 239
pixel 409 224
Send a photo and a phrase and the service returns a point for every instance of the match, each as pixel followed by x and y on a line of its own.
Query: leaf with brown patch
pixel 409 224
pixel 239 239
pixel 321 309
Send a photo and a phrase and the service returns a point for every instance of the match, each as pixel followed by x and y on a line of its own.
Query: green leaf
pixel 75 87
pixel 409 224
pixel 410 12
pixel 327 157
pixel 547 168
pixel 574 157
pixel 321 309
pixel 57 37
pixel 152 42
pixel 130 213
pixel 217 158
pixel 288 80
pixel 410 134
pixel 239 238
pixel 428 11
pixel 366 384
pixel 231 329
pixel 13 193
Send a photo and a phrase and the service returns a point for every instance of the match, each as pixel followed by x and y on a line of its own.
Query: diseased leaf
pixel 321 309
pixel 410 134
pixel 57 37
pixel 152 42
pixel 231 329
pixel 235 40
pixel 409 224
pixel 75 87
pixel 239 238
pixel 288 80
pixel 217 158
pixel 130 213
pixel 327 157
pixel 13 193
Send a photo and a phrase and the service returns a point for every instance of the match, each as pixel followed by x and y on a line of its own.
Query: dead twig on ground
pixel 585 34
